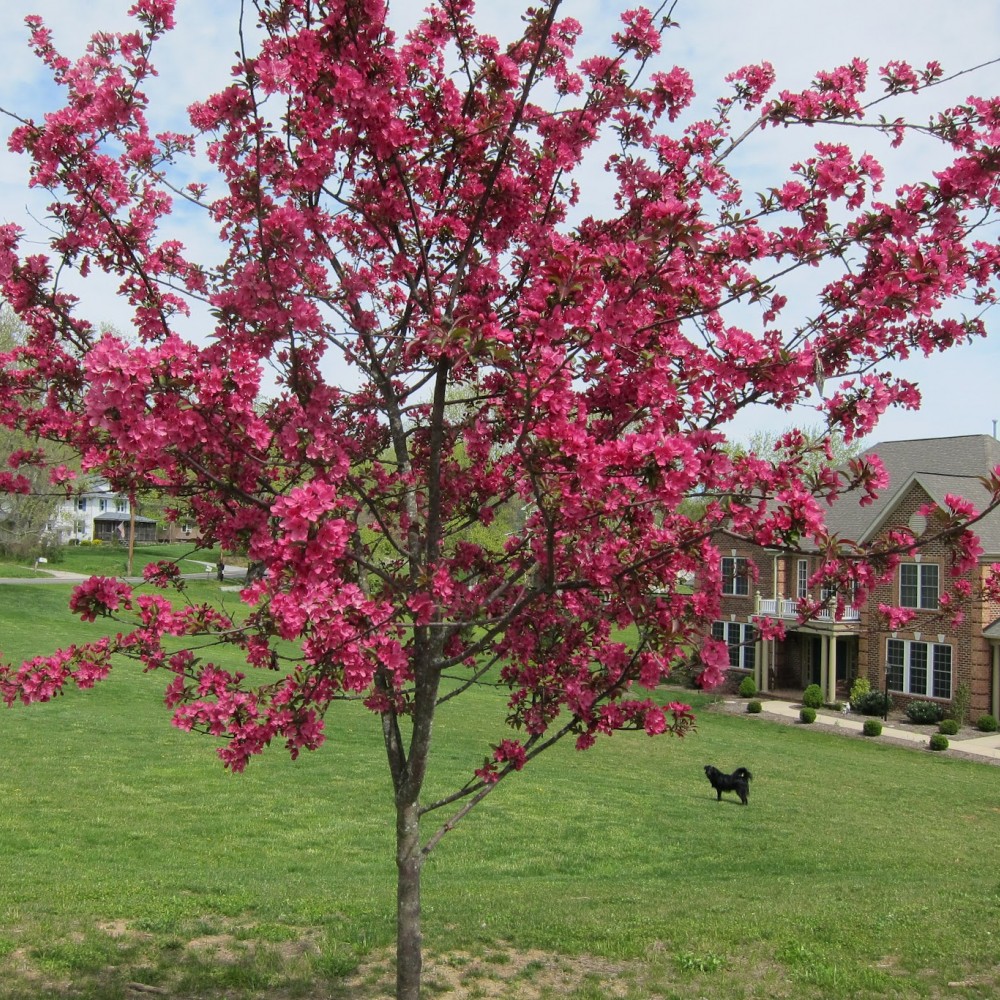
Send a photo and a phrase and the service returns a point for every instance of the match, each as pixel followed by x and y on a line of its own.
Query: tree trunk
pixel 408 938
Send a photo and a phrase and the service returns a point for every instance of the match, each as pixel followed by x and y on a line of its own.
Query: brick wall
pixel 971 657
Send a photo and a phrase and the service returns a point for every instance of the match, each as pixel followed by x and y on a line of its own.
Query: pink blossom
pixel 715 662
pixel 896 618
pixel 100 595
pixel 162 574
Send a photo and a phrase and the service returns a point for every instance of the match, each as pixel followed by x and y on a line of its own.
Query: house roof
pixel 123 517
pixel 939 466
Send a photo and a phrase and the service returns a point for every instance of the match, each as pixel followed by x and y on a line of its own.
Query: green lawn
pixel 13 570
pixel 857 870
pixel 112 560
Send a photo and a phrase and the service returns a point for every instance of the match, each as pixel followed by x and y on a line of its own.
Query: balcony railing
pixel 783 607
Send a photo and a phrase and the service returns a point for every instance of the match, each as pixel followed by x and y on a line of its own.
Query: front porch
pixel 830 661
pixel 822 650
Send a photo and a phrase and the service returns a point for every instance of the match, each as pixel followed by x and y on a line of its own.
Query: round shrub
pixel 948 727
pixel 807 715
pixel 812 697
pixel 859 689
pixel 939 742
pixel 987 724
pixel 872 703
pixel 748 687
pixel 872 727
pixel 754 707
pixel 924 713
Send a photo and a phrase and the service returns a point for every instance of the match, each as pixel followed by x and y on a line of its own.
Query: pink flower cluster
pixel 100 596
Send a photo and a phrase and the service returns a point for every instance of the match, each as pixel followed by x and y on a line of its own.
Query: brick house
pixel 929 658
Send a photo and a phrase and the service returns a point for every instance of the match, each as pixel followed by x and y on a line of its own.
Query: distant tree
pixel 814 448
pixel 30 497
pixel 401 207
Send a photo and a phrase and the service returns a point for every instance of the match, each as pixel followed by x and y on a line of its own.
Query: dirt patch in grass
pixel 498 972
pixel 220 948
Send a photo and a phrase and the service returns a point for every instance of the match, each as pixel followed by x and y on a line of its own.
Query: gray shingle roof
pixel 940 466
pixel 114 515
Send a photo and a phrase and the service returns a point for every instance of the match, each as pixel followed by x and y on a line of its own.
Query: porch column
pixel 762 663
pixel 824 664
pixel 831 670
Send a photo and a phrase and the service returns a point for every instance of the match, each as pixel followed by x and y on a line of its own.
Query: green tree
pixel 815 446
pixel 27 511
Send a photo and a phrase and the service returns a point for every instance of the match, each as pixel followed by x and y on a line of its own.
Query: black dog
pixel 738 781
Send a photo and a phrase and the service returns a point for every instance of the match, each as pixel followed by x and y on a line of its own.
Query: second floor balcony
pixel 787 609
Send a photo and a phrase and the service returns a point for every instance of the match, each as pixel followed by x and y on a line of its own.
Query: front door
pixel 847 660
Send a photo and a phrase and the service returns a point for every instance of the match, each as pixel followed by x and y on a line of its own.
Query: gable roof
pixel 939 466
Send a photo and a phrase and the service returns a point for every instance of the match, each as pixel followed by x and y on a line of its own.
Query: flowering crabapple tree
pixel 413 329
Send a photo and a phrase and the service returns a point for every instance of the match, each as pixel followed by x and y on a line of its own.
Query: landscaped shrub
pixel 859 689
pixel 924 713
pixel 748 687
pixel 754 707
pixel 872 703
pixel 959 708
pixel 987 724
pixel 939 742
pixel 684 674
pixel 872 727
pixel 812 697
pixel 807 715
pixel 948 727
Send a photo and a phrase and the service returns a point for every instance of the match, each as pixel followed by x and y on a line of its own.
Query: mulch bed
pixel 896 721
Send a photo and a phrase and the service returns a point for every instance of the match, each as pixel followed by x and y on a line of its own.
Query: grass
pixel 857 870
pixel 14 571
pixel 109 560
pixel 112 560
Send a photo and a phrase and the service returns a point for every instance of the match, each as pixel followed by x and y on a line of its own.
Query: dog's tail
pixel 742 772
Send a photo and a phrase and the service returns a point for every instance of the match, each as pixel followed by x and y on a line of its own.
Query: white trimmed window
pixel 918 586
pixel 740 639
pixel 802 579
pixel 735 577
pixel 921 668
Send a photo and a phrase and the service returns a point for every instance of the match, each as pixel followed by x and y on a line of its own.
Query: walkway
pixel 60 576
pixel 985 747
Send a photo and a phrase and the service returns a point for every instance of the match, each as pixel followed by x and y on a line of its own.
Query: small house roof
pixel 120 516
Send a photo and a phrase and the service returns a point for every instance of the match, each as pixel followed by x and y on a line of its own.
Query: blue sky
pixel 716 37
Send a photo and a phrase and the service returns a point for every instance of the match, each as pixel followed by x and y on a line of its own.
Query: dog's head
pixel 711 771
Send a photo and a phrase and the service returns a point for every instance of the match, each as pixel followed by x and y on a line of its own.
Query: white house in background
pixel 99 514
